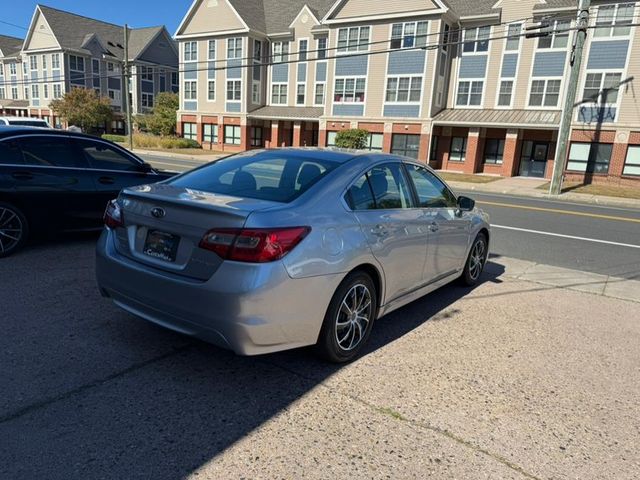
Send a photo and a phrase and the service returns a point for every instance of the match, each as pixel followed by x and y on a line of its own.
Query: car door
pixel 449 229
pixel 53 183
pixel 383 205
pixel 113 169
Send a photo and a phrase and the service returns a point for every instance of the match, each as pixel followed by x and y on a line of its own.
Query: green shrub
pixel 115 138
pixel 175 142
pixel 353 138
pixel 145 140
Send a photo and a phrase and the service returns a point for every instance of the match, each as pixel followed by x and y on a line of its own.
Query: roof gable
pixel 211 16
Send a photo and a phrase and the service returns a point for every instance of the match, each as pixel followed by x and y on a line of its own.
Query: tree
pixel 353 138
pixel 84 108
pixel 163 120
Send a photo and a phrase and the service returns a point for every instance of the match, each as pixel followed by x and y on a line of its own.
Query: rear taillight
pixel 259 245
pixel 113 215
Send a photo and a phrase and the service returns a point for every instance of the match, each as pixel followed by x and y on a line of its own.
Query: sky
pixel 137 13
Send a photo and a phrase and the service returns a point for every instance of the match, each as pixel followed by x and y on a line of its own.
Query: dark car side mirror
pixel 146 168
pixel 466 204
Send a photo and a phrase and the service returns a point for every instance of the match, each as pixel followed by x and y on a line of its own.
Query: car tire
pixel 14 229
pixel 475 261
pixel 349 319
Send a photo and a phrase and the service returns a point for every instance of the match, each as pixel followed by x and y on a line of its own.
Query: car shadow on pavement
pixel 92 392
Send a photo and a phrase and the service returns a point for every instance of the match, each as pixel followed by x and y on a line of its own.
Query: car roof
pixel 22 119
pixel 14 130
pixel 332 154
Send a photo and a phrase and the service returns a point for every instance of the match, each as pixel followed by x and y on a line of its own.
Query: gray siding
pixel 473 66
pixel 321 72
pixel 549 64
pixel 509 64
pixel 608 54
pixel 411 62
pixel 234 70
pixel 233 107
pixel 348 110
pixel 280 73
pixel 191 105
pixel 411 111
pixel 351 66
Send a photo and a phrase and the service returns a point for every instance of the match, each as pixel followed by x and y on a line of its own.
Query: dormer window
pixel 476 39
pixel 409 34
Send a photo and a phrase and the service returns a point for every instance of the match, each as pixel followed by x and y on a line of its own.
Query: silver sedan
pixel 272 250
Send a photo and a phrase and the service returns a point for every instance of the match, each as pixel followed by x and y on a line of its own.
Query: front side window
pixel 476 39
pixel 544 93
pixel 382 188
pixel 631 164
pixel 614 20
pixel 190 51
pixel 504 95
pixel 279 94
pixel 602 87
pixel 234 90
pixel 590 157
pixel 409 34
pixel 405 145
pixel 353 39
pixel 403 89
pixel 432 193
pixel 493 150
pixel 558 35
pixel 104 157
pixel 350 90
pixel 470 93
pixel 458 150
pixel 10 153
pixel 234 48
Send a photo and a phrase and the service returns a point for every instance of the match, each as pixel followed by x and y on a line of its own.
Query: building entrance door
pixel 533 161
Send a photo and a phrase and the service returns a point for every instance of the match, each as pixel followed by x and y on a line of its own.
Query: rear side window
pixel 104 157
pixel 50 152
pixel 275 176
pixel 10 153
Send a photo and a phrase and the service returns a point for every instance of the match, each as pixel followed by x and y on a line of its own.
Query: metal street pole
pixel 127 78
pixel 570 97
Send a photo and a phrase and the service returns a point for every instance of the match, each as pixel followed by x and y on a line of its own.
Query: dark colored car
pixel 58 180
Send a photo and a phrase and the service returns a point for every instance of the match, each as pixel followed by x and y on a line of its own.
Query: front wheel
pixel 349 319
pixel 476 261
pixel 13 229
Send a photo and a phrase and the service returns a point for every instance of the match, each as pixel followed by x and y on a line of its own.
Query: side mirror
pixel 146 168
pixel 466 204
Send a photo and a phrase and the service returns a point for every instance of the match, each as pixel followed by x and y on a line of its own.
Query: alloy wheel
pixel 477 259
pixel 354 317
pixel 11 229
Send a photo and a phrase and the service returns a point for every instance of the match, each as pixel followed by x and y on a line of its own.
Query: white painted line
pixel 538 232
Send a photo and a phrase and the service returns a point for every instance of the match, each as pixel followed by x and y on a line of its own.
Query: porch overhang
pixel 497 118
pixel 275 112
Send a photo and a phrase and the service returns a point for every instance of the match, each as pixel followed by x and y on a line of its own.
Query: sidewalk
pixel 204 158
pixel 528 187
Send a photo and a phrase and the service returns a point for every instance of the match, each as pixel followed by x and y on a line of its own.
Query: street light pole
pixel 570 97
pixel 127 79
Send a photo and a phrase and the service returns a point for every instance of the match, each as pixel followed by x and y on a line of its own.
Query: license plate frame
pixel 161 245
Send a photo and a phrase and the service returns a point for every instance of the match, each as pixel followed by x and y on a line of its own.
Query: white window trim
pixel 215 90
pixel 475 52
pixel 513 90
pixel 470 80
pixel 183 51
pixel 326 48
pixel 631 33
pixel 415 35
pixel 215 50
pixel 408 102
pixel 553 35
pixel 54 63
pixel 349 77
pixel 300 40
pixel 184 91
pixel 281 53
pixel 582 85
pixel 227 90
pixel 324 94
pixel 84 63
pixel 257 83
pixel 235 40
pixel 520 40
pixel 337 52
pixel 305 93
pixel 280 85
pixel 31 62
pixel 543 107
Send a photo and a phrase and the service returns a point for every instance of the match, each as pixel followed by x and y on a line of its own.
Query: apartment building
pixel 12 100
pixel 451 82
pixel 63 50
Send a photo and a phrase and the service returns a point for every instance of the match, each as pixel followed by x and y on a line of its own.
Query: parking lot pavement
pixel 514 379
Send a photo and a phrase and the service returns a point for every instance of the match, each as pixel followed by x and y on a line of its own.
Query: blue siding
pixel 190 71
pixel 233 107
pixel 348 110
pixel 35 102
pixel 191 105
pixel 608 54
pixel 412 111
pixel 280 73
pixel 411 62
pixel 596 114
pixel 55 75
pixel 351 66
pixel 549 64
pixel 302 72
pixel 113 83
pixel 234 70
pixel 321 72
pixel 146 86
pixel 509 63
pixel 473 66
pixel 34 76
pixel 211 72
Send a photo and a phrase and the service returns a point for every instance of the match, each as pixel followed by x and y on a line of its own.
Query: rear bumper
pixel 250 309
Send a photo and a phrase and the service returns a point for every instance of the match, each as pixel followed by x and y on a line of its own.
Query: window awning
pixel 498 118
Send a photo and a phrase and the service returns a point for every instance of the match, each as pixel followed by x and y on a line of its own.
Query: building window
pixel 1 69
pixel 211 52
pixel 476 39
pixel 234 90
pixel 35 92
pixel 146 73
pixel 544 93
pixel 57 90
pixel 210 133
pixel 44 62
pixel 95 66
pixel 33 62
pixel 493 150
pixel 319 94
pixel 76 63
pixel 280 52
pixel 256 136
pixel 14 93
pixel 458 149
pixel 590 157
pixel 12 69
pixel 147 100
pixel 234 48
pixel 232 134
pixel 602 88
pixel 55 61
pixel 303 46
pixel 2 93
pixel 353 39
pixel 190 51
pixel 45 88
pixel 211 90
pixel 350 90
pixel 255 93
pixel 403 89
pixel 257 50
pixel 374 142
pixel 279 94
pixel 470 93
pixel 322 48
pixel 331 139
pixel 513 37
pixel 614 20
pixel 632 163
pixel 189 130
pixel 504 95
pixel 409 35
pixel 300 93
pixel 190 90
pixel 111 67
pixel 558 35
pixel 405 145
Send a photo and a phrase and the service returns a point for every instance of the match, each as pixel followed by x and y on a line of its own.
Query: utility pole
pixel 127 79
pixel 570 97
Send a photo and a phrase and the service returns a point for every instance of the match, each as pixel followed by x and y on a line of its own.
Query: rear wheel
pixel 13 229
pixel 476 260
pixel 349 319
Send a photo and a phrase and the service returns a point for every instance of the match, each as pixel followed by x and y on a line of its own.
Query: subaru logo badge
pixel 158 212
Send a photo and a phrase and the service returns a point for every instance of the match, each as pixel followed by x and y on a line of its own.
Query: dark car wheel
pixel 14 229
pixel 349 319
pixel 476 261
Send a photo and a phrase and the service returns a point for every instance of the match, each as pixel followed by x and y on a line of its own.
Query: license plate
pixel 161 245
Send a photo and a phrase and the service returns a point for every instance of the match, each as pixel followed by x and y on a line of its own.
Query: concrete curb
pixel 558 277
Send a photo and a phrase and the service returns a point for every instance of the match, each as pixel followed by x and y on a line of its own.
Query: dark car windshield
pixel 273 175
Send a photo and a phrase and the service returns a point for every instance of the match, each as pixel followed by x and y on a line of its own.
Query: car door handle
pixel 434 227
pixel 106 180
pixel 380 231
pixel 22 175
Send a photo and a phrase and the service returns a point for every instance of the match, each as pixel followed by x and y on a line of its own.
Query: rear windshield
pixel 28 123
pixel 274 176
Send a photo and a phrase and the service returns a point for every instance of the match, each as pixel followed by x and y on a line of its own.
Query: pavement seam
pixel 401 418
pixel 88 386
